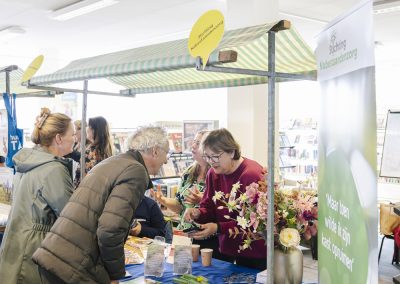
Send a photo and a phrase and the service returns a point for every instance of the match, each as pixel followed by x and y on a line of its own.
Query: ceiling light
pixel 387 10
pixel 386 6
pixel 10 32
pixel 80 8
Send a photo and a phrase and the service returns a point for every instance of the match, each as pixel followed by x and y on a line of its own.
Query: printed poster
pixel 347 225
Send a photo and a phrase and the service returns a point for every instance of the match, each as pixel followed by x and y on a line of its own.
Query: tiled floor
pixel 386 269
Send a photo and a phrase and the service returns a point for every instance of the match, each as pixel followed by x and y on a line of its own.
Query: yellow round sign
pixel 32 68
pixel 206 34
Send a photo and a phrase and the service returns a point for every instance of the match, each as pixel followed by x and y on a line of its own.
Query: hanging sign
pixel 206 34
pixel 344 47
pixel 32 68
pixel 347 189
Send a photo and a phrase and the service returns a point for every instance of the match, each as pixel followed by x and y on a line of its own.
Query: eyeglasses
pixel 212 158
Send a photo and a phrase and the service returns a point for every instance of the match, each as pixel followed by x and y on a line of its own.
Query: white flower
pixel 235 188
pixel 243 198
pixel 217 196
pixel 231 205
pixel 242 222
pixel 289 237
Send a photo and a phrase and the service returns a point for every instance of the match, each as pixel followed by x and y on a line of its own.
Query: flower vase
pixel 288 266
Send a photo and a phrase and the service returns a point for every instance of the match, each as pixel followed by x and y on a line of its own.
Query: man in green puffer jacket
pixel 86 244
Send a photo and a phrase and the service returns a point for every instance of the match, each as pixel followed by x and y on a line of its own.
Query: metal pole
pixel 231 70
pixel 8 82
pixel 83 129
pixel 62 90
pixel 271 156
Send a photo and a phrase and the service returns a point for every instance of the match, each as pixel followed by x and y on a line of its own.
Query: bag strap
pixel 14 108
pixel 9 102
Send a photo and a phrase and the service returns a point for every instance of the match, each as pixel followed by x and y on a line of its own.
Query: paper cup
pixel 206 256
pixel 195 252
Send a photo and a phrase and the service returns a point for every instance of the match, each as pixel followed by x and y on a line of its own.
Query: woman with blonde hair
pixel 42 186
pixel 76 150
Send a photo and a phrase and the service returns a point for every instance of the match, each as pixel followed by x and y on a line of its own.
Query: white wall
pixel 124 112
pixel 247 106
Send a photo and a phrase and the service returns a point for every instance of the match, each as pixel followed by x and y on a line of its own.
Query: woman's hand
pixel 136 230
pixel 207 230
pixel 191 214
pixel 194 197
pixel 157 195
pixel 114 282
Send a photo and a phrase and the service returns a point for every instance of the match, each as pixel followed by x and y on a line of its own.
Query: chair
pixel 388 221
pixel 395 257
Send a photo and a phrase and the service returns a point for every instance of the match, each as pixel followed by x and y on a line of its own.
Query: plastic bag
pixel 155 259
pixel 182 260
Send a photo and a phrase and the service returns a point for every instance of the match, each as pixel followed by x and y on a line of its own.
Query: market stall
pixel 10 82
pixel 260 54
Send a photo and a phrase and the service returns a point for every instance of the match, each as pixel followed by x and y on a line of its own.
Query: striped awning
pixel 15 84
pixel 169 66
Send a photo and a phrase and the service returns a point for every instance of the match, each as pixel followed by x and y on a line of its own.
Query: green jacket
pixel 42 186
pixel 86 244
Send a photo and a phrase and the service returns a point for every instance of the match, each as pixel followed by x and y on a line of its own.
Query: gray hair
pixel 146 138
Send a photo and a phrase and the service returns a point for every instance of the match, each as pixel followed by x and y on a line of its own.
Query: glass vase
pixel 288 266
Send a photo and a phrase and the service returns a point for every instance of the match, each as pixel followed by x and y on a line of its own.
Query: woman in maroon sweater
pixel 227 167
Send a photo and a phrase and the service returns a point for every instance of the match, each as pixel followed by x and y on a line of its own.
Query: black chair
pixel 395 257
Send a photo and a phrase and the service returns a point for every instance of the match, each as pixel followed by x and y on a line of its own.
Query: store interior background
pixel 131 24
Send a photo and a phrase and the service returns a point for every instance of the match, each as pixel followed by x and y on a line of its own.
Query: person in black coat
pixel 150 220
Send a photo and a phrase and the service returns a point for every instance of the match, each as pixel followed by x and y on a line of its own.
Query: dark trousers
pixel 255 263
pixel 49 278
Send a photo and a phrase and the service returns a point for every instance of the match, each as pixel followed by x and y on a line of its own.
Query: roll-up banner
pixel 347 196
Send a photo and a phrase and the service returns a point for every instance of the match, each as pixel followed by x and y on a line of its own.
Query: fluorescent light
pixel 11 32
pixel 387 10
pixel 386 6
pixel 81 8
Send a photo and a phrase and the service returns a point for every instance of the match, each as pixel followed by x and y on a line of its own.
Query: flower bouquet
pixel 295 216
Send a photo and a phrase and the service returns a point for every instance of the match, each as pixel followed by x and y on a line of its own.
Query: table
pixel 214 273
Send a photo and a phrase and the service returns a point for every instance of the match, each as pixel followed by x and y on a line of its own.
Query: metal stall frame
pixel 226 56
pixel 34 93
pixel 272 75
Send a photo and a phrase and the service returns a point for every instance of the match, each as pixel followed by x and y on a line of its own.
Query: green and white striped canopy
pixel 169 66
pixel 15 84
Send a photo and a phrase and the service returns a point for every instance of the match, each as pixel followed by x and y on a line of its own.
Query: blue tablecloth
pixel 214 273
